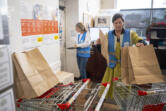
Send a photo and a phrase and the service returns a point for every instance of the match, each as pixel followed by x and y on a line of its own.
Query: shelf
pixel 137 27
pixel 158 28
pixel 160 48
pixel 157 39
pixel 99 27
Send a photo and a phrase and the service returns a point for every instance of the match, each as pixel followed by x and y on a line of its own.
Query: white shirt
pixel 87 41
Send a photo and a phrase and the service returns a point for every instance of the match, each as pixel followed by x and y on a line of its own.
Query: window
pixel 159 3
pixel 137 20
pixel 159 15
pixel 133 4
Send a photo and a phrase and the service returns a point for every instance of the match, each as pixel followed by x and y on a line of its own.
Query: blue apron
pixel 111 46
pixel 83 52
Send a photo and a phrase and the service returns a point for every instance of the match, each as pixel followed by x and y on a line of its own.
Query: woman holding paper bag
pixel 83 49
pixel 117 38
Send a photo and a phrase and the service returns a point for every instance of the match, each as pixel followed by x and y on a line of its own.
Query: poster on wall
pixel 39 23
pixel 6 75
pixel 4 32
pixel 102 21
pixel 7 102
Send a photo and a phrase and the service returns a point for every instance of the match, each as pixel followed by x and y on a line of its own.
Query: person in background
pixel 117 38
pixel 83 49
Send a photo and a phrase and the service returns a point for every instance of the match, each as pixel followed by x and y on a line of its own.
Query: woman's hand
pixel 98 41
pixel 139 44
pixel 75 46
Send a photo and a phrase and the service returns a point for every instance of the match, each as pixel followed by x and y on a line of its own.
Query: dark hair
pixel 81 26
pixel 117 16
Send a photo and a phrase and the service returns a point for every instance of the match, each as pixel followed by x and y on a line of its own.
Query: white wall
pixel 88 6
pixel 72 17
pixel 63 37
pixel 17 11
pixel 108 4
pixel 14 25
pixel 61 2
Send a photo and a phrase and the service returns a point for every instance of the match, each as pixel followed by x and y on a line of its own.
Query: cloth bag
pixel 34 76
pixel 96 65
pixel 143 67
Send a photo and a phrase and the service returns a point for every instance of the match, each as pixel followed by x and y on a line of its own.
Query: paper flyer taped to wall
pixel 6 75
pixel 7 101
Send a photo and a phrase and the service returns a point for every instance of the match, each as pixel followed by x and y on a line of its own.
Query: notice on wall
pixel 7 101
pixel 39 23
pixel 6 75
pixel 37 27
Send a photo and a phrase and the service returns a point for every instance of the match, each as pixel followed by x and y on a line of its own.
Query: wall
pixel 62 34
pixel 16 13
pixel 14 25
pixel 72 17
pixel 61 2
pixel 74 13
pixel 108 4
pixel 88 6
pixel 19 9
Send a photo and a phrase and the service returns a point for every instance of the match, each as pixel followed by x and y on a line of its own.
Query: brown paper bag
pixel 104 46
pixel 37 60
pixel 144 65
pixel 34 74
pixel 20 82
pixel 124 65
pixel 17 86
pixel 131 77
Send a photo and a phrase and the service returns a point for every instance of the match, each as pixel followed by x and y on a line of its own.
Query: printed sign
pixel 6 75
pixel 7 101
pixel 36 27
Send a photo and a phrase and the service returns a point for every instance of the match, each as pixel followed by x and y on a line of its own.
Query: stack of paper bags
pixel 139 65
pixel 34 76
